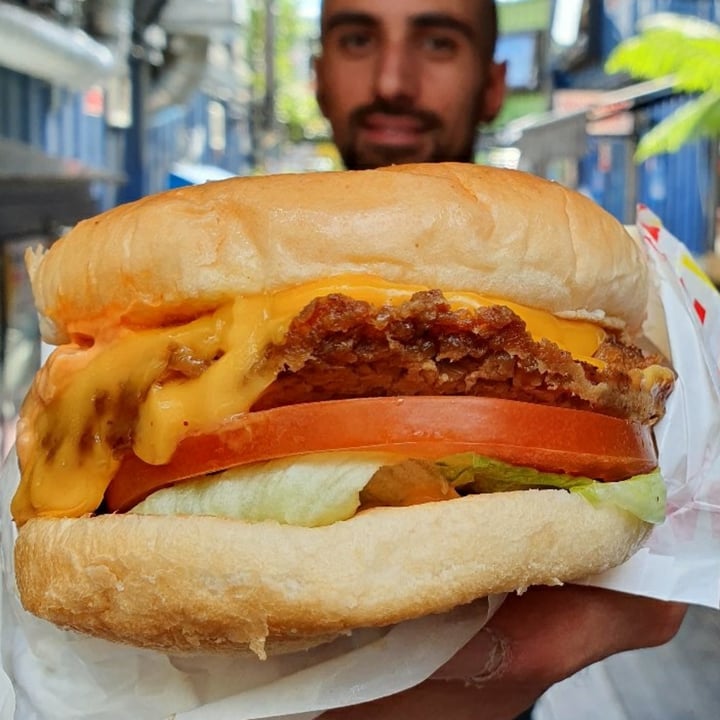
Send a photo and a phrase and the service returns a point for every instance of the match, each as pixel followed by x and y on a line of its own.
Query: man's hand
pixel 533 641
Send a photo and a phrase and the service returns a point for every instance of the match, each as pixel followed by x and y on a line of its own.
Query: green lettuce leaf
pixel 642 495
pixel 321 489
pixel 306 491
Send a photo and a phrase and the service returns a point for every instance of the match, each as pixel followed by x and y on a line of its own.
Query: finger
pixel 549 633
pixel 435 699
pixel 533 641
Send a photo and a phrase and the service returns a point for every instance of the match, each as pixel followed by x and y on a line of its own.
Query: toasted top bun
pixel 184 584
pixel 449 226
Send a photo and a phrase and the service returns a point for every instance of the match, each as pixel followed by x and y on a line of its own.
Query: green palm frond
pixel 694 63
pixel 687 50
pixel 696 119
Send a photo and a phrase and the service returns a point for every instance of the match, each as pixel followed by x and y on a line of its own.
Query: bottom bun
pixel 198 584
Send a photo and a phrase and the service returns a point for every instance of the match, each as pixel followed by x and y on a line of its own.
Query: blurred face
pixel 406 80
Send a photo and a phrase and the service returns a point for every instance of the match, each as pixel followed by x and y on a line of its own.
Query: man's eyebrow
pixel 443 21
pixel 347 18
pixel 431 20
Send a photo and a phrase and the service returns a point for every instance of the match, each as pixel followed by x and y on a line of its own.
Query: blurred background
pixel 130 97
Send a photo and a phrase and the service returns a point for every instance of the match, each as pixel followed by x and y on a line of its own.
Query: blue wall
pixel 170 133
pixel 679 187
pixel 65 124
pixel 60 123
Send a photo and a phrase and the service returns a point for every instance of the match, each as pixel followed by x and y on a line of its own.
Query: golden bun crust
pixel 451 226
pixel 187 584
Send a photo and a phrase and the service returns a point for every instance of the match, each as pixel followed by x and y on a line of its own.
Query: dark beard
pixel 394 156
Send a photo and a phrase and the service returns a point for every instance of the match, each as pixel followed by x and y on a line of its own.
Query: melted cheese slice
pixel 68 469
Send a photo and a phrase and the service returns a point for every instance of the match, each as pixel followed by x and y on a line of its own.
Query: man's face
pixel 406 80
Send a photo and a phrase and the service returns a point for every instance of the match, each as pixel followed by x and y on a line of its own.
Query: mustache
pixel 426 120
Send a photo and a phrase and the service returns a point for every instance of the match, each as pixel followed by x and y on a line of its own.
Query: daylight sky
pixel 311 8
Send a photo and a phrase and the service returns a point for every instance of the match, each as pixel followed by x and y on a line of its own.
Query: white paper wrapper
pixel 50 674
pixel 682 558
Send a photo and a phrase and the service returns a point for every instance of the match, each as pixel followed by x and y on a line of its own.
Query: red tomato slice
pixel 547 438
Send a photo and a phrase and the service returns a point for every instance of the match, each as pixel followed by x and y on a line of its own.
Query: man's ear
pixel 494 93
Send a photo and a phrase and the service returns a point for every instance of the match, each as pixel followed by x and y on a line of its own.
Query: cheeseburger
pixel 282 408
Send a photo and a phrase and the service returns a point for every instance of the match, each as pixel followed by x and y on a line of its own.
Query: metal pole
pixel 270 79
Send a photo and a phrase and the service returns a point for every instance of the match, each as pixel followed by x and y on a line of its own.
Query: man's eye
pixel 355 42
pixel 440 46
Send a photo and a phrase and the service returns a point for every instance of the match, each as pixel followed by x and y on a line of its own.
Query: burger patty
pixel 340 348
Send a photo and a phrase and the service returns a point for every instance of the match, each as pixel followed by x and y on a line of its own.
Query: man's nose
pixel 396 74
